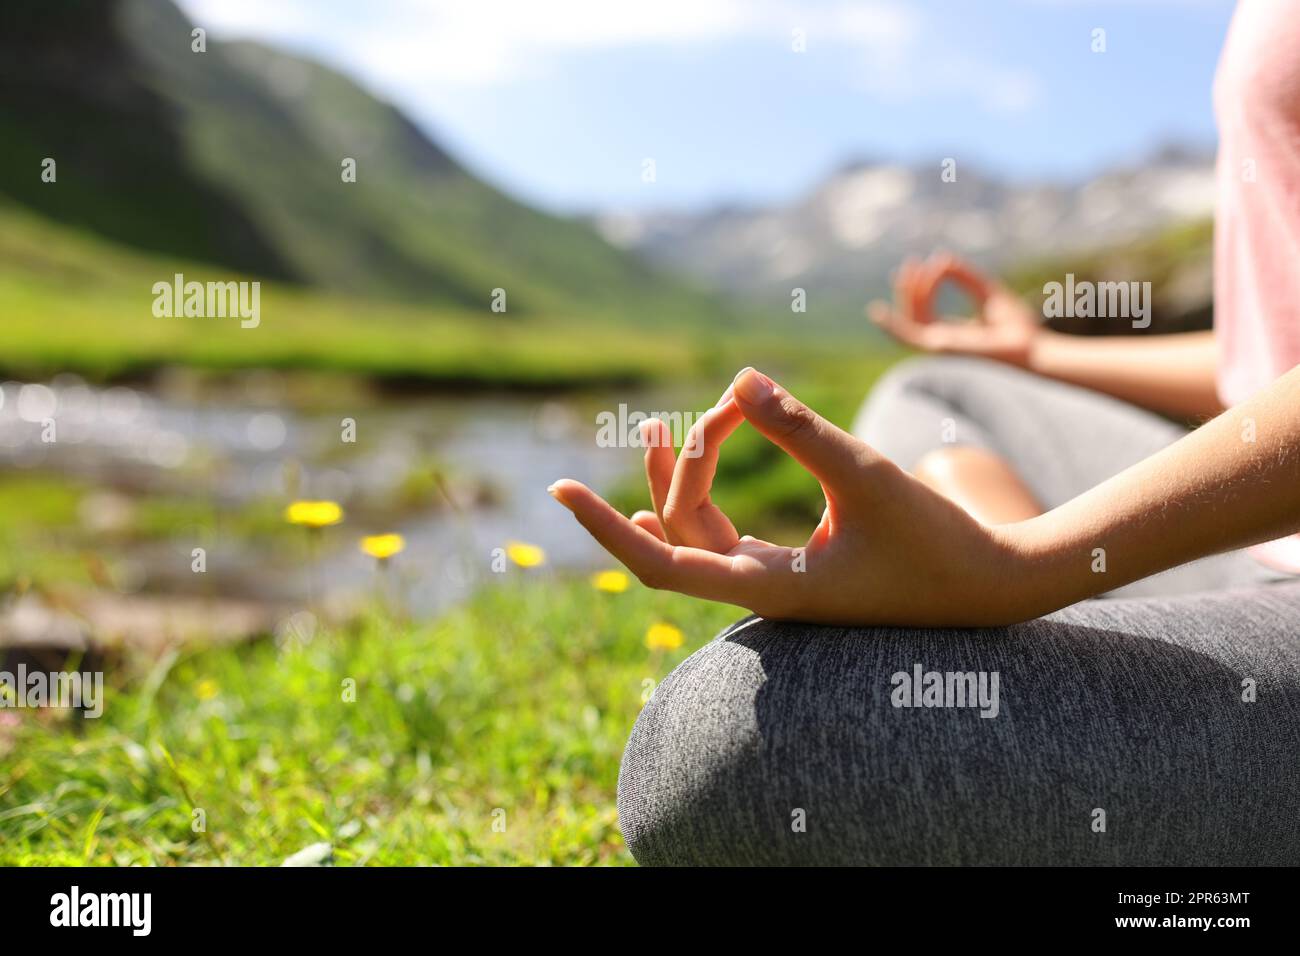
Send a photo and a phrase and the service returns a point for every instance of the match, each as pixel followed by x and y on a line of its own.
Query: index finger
pixel 655 563
pixel 944 267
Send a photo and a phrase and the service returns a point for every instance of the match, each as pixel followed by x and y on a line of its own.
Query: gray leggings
pixel 1159 726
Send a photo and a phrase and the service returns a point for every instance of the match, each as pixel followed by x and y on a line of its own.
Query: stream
pixel 246 445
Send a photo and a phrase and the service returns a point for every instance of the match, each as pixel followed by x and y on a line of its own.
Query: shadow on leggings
pixel 1132 708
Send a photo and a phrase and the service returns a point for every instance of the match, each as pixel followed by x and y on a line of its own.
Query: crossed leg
pixel 1124 735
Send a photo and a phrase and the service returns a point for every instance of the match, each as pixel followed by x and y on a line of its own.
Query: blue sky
pixel 559 102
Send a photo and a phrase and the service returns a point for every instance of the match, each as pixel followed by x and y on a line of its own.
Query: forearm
pixel 1171 374
pixel 1231 483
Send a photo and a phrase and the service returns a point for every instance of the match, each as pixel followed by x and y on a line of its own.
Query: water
pixel 498 453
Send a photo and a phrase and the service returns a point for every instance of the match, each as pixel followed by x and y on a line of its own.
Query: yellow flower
pixel 663 637
pixel 206 689
pixel 611 582
pixel 313 514
pixel 525 555
pixel 382 546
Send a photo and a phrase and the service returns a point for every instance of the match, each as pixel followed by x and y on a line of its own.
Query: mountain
pixel 70 89
pixel 842 239
pixel 233 157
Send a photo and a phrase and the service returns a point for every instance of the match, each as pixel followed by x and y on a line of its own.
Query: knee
pixel 911 374
pixel 962 469
pixel 939 467
pixel 784 744
pixel 928 378
pixel 691 745
pixel 769 746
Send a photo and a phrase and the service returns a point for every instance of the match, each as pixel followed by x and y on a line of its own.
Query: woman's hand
pixel 1170 374
pixel 1005 328
pixel 888 550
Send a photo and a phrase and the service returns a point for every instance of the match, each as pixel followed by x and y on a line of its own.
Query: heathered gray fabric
pixel 1133 706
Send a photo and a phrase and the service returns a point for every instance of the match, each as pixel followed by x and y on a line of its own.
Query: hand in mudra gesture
pixel 1003 327
pixel 888 549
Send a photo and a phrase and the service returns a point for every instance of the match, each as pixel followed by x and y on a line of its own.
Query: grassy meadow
pixel 72 302
pixel 518 702
pixel 512 709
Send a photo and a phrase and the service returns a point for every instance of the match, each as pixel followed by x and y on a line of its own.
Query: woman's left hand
pixel 888 550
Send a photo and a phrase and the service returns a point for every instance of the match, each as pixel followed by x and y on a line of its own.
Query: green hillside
pixel 1178 261
pixel 233 157
pixel 70 90
pixel 72 301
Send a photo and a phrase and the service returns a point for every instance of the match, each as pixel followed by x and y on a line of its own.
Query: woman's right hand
pixel 1004 327
pixel 888 550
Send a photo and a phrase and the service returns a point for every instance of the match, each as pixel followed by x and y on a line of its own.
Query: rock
pixel 318 854
pixel 101 620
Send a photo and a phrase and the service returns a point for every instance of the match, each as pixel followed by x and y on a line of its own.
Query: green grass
pixel 46 538
pixel 38 518
pixel 521 701
pixel 1169 259
pixel 75 303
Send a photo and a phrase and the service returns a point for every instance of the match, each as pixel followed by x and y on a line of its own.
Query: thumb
pixel 831 454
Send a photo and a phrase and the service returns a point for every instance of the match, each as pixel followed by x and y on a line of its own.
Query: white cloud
pixel 1131 3
pixel 1009 89
pixel 495 41
pixel 404 47
pixel 929 71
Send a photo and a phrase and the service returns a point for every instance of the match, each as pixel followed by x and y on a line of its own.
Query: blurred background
pixel 648 186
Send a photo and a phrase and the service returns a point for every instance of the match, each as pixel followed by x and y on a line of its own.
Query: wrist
pixel 1043 345
pixel 1046 572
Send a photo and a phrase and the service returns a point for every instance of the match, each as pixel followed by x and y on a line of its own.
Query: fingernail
pixel 752 386
pixel 726 396
pixel 550 490
pixel 643 429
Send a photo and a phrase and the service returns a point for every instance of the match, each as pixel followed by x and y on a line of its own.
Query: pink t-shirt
pixel 1257 215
